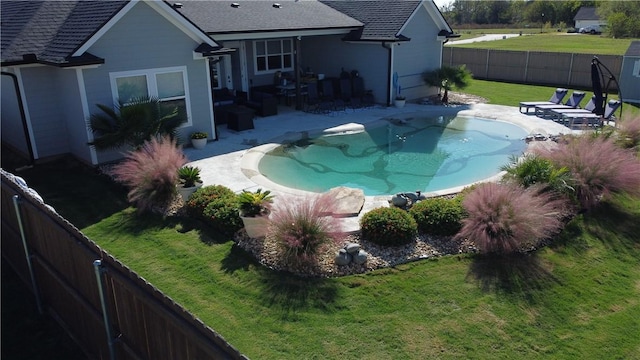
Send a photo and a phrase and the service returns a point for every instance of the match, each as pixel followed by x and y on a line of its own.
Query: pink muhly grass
pixel 151 172
pixel 302 225
pixel 506 218
pixel 630 132
pixel 598 167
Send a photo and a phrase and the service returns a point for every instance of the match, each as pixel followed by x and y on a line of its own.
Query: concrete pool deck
pixel 225 162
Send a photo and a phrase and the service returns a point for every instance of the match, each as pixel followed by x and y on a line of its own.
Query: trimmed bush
pixel 439 215
pixel 217 205
pixel 389 226
pixel 302 225
pixel 598 167
pixel 151 173
pixel 506 218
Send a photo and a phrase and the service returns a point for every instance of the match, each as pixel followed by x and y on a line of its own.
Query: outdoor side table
pixel 240 119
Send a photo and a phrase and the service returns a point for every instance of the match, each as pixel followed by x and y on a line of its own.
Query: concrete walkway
pixel 489 37
pixel 221 162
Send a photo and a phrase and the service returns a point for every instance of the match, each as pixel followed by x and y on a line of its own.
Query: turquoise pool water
pixel 398 155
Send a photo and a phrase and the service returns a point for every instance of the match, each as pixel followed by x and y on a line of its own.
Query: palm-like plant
pixel 134 123
pixel 447 78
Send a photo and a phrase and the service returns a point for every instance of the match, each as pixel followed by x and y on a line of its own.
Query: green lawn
pixel 558 42
pixel 576 299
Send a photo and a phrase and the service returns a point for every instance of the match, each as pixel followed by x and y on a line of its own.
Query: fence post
pixel 526 67
pixel 486 75
pixel 570 71
pixel 97 265
pixel 36 292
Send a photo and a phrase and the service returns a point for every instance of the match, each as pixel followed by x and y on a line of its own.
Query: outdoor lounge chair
pixel 590 119
pixel 556 113
pixel 556 99
pixel 573 103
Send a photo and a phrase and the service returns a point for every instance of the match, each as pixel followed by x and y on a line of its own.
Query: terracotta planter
pixel 399 103
pixel 256 227
pixel 186 192
pixel 199 143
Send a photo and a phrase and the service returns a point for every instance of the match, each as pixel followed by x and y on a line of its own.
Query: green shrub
pixel 206 194
pixel 388 226
pixel 217 205
pixel 439 216
pixel 535 170
pixel 222 215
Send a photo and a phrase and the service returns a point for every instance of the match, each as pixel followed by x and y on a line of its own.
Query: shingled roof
pixel 49 32
pixel 586 13
pixel 234 16
pixel 382 20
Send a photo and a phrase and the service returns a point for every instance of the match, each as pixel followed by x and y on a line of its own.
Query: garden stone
pixel 348 201
pixel 360 257
pixel 352 248
pixel 343 257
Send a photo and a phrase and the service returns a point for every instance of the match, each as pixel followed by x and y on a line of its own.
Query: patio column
pixel 296 68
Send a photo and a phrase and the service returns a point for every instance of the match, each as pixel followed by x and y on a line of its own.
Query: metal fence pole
pixel 34 285
pixel 97 265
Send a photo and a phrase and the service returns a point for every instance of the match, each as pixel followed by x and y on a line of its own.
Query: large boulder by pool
pixel 349 201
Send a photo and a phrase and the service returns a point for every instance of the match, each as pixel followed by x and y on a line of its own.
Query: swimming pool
pixel 397 155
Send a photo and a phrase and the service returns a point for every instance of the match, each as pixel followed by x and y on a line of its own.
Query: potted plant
pixel 255 208
pixel 199 139
pixel 189 181
pixel 400 100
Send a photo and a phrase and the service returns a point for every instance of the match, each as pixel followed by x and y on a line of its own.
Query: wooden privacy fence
pixel 109 310
pixel 531 67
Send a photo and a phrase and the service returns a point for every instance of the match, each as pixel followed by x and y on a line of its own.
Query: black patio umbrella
pixel 597 88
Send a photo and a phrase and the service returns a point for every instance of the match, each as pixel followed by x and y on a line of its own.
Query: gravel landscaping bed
pixel 267 252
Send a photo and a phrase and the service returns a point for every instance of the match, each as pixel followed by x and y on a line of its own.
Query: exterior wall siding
pixel 423 53
pixel 73 115
pixel 12 129
pixel 45 95
pixel 142 40
pixel 630 83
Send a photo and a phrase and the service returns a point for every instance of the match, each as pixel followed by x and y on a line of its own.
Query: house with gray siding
pixel 387 43
pixel 76 54
pixel 73 55
pixel 630 74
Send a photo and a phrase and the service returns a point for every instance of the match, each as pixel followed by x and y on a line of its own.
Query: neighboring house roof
pixel 382 20
pixel 59 32
pixel 224 17
pixel 633 50
pixel 586 13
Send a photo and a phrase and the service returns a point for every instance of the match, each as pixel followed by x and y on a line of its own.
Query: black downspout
pixel 23 116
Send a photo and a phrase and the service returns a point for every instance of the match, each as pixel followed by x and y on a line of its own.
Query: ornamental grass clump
pixel 388 226
pixel 598 167
pixel 151 173
pixel 629 133
pixel 301 226
pixel 506 218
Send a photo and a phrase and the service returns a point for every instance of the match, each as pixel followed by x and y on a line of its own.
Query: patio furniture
pixel 365 96
pixel 590 119
pixel 346 93
pixel 556 99
pixel 556 114
pixel 329 96
pixel 263 103
pixel 573 103
pixel 240 118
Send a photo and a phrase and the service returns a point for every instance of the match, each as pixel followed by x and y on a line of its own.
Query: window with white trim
pixel 169 85
pixel 273 55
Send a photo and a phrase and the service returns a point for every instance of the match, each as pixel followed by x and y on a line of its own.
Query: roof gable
pixel 60 32
pixel 586 13
pixel 220 17
pixel 382 20
pixel 50 31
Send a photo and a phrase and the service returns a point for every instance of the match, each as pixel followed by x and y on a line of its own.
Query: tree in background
pixel 623 17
